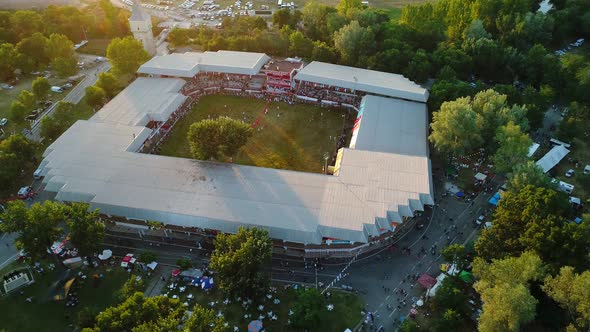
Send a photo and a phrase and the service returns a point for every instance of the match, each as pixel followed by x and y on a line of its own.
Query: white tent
pixel 552 158
pixel 106 254
pixel 532 149
pixel 152 266
pixel 480 177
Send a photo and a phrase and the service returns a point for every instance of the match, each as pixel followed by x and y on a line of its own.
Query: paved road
pixel 74 96
pixel 8 251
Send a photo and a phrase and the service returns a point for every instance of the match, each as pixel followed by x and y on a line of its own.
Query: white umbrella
pixel 419 303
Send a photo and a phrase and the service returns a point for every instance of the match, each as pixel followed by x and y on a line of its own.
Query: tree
pixel 15 153
pixel 25 23
pixel 502 284
pixel 344 6
pixel 528 219
pixel 354 43
pixel 109 83
pixel 446 90
pixel 37 227
pixel 34 49
pixel 27 98
pixel 95 96
pixel 61 119
pixel 409 325
pixel 456 128
pixel 8 57
pixel 184 263
pixel 451 295
pixel 283 17
pixel 18 112
pixel 419 67
pixel 65 67
pixel 476 31
pixel 572 291
pixel 86 228
pixel 299 45
pixel 126 55
pixel 140 314
pixel 309 309
pixel 449 321
pixel 238 258
pixel 41 88
pixel 178 37
pixel 528 173
pixel 217 138
pixel 323 52
pixel 133 285
pixel 59 46
pixel 204 320
pixel 514 148
pixel 506 308
pixel 455 254
pixel 147 257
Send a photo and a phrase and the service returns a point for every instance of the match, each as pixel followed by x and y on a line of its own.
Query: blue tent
pixel 495 199
pixel 460 194
pixel 578 220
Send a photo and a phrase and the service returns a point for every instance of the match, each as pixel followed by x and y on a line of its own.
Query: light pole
pixel 326 156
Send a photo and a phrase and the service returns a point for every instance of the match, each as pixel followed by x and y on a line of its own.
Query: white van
pixel 57 89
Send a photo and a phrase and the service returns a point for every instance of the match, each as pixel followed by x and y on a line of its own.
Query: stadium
pixel 377 181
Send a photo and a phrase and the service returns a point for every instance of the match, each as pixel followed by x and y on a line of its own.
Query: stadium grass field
pixel 294 137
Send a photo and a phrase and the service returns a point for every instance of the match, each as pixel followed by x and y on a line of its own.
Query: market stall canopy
pixel 426 280
pixel 106 254
pixel 127 260
pixel 175 272
pixel 466 276
pixel 495 199
pixel 152 266
pixel 255 326
pixel 192 273
pixel 480 177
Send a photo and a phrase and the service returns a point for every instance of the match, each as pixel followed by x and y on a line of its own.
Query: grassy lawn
pixel 346 313
pixel 96 47
pixel 44 314
pixel 294 137
pixel 580 151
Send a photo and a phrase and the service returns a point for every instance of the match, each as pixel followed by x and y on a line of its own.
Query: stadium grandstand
pixel 377 183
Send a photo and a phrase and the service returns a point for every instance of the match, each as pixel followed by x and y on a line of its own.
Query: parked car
pixel 67 86
pixel 37 174
pixel 569 173
pixel 480 220
pixel 587 169
pixel 6 86
pixel 57 89
pixel 3 122
pixel 26 192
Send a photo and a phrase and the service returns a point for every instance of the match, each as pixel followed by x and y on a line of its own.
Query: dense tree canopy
pixel 16 152
pixel 140 313
pixel 126 55
pixel 239 258
pixel 503 286
pixel 86 230
pixel 41 88
pixel 37 227
pixel 572 291
pixel 309 309
pixel 456 127
pixel 218 138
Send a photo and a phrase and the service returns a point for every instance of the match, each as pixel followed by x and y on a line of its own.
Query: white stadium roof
pixel 144 100
pixel 190 63
pixel 371 81
pixel 393 126
pixel 375 185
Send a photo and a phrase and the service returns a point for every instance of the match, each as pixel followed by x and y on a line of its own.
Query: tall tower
pixel 141 27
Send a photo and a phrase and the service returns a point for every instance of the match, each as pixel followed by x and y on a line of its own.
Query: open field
pixel 294 137
pixel 43 314
pixel 96 47
pixel 346 312
pixel 35 4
